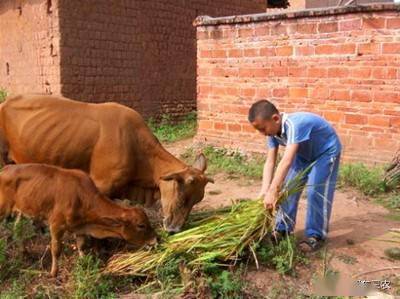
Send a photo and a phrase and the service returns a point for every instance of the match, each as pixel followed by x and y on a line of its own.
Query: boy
pixel 308 139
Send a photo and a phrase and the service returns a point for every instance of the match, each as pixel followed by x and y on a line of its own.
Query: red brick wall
pixel 29 58
pixel 343 65
pixel 139 53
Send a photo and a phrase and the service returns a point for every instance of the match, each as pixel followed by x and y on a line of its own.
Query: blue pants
pixel 321 183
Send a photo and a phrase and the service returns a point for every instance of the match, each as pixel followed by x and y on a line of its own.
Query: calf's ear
pixel 111 222
pixel 200 163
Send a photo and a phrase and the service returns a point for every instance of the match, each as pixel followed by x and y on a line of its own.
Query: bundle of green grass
pixel 222 236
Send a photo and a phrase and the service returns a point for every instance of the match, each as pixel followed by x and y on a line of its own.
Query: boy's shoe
pixel 311 244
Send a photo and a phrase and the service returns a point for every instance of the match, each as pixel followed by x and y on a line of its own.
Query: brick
pixel 246 32
pixel 355 119
pixel 219 54
pixel 262 30
pixel 321 92
pixel 284 51
pixel 279 71
pixel 298 92
pixel 234 127
pixel 220 126
pixel 280 92
pixel 361 96
pixel 251 52
pixel 368 48
pixel 341 95
pixel 202 35
pixel 248 92
pixel 346 49
pixel 380 121
pixel 235 53
pixel 328 27
pixel 325 49
pixel 374 23
pixel 205 124
pixel 338 72
pixel 389 97
pixel 205 54
pixel 306 28
pixel 393 23
pixel 395 122
pixel 304 51
pixel 361 72
pixel 333 116
pixel 391 48
pixel 384 73
pixel 269 51
pixel 297 72
pixel 349 25
pixel 317 72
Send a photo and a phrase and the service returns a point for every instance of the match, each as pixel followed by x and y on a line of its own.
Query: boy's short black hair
pixel 263 109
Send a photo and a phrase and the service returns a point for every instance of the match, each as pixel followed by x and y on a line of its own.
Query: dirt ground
pixel 353 247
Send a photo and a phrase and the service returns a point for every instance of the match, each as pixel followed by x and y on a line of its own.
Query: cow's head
pixel 180 191
pixel 136 228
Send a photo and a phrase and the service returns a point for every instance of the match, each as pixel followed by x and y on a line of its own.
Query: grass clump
pixel 168 131
pixel 367 180
pixel 88 282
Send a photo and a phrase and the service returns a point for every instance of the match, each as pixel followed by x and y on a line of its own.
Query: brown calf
pixel 69 201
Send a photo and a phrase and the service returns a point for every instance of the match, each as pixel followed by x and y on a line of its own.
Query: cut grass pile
pixel 221 238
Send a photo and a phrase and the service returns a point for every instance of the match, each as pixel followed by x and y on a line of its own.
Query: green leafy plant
pixel 226 285
pixel 168 131
pixel 3 94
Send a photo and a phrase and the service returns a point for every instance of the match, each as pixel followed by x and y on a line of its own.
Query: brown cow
pixel 109 141
pixel 69 201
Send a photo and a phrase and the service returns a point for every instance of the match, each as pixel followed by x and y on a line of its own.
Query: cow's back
pixel 49 129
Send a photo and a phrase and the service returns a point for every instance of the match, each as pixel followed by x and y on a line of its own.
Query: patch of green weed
pixel 168 131
pixel 226 285
pixel 88 282
pixel 3 94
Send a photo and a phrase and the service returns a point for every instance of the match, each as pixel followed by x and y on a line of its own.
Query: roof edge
pixel 262 17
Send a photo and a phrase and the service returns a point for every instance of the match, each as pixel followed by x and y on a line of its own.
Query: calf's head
pixel 134 226
pixel 180 191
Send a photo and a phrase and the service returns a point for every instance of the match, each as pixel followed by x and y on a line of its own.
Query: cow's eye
pixel 141 226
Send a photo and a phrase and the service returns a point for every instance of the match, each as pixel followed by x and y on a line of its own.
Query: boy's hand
pixel 270 199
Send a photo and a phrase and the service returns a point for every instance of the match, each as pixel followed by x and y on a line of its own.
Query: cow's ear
pixel 177 176
pixel 200 163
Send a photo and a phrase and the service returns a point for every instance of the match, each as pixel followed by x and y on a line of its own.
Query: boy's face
pixel 268 127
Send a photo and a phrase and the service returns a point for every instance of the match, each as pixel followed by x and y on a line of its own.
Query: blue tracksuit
pixel 319 143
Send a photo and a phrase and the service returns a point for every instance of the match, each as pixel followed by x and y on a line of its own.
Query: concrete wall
pixel 343 64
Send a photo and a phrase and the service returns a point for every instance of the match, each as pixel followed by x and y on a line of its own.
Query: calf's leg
pixel 56 234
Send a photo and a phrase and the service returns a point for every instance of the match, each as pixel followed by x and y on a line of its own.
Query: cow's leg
pixel 56 234
pixel 80 242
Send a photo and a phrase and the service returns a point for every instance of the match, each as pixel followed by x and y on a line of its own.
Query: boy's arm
pixel 268 170
pixel 271 197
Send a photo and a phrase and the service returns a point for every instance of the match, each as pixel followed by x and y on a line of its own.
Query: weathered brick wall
pixel 29 58
pixel 139 53
pixel 342 64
